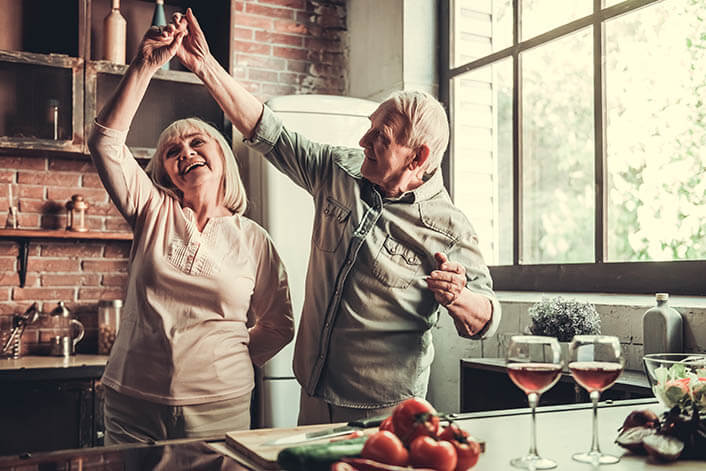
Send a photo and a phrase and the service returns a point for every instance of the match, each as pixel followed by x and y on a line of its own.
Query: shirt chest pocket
pixel 396 266
pixel 330 225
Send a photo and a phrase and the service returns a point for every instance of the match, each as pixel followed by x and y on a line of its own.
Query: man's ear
pixel 420 157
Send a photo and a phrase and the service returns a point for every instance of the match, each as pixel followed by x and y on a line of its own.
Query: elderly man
pixel 388 247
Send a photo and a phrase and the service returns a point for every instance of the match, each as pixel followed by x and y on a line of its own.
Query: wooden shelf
pixel 62 234
pixel 23 236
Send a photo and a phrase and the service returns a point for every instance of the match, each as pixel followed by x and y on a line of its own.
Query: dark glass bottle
pixel 160 19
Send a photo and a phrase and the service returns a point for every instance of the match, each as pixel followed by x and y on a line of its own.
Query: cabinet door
pixel 42 416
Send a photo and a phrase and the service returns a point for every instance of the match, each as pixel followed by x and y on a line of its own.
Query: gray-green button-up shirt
pixel 364 337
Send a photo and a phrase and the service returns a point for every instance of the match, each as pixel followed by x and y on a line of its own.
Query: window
pixel 578 142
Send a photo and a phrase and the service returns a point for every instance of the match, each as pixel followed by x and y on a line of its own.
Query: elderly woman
pixel 200 273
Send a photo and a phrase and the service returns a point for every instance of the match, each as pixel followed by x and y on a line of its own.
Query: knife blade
pixel 351 426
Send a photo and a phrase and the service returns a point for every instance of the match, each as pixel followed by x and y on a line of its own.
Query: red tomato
pixel 431 453
pixel 414 417
pixel 341 466
pixel 385 447
pixel 387 425
pixel 467 450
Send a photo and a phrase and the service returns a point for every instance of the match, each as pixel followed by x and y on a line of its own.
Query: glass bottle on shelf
pixel 115 28
pixel 160 19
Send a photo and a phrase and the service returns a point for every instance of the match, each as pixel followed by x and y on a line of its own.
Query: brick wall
pixel 286 47
pixel 280 47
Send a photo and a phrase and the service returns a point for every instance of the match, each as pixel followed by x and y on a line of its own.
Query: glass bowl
pixel 677 378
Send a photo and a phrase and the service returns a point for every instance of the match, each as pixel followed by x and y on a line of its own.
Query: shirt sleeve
pixel 270 306
pixel 478 279
pixel 128 185
pixel 309 164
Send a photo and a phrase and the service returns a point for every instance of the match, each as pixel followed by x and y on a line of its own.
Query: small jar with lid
pixel 108 322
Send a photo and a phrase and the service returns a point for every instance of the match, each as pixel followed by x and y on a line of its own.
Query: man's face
pixel 194 160
pixel 386 161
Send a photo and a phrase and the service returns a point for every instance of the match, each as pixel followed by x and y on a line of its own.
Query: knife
pixel 351 426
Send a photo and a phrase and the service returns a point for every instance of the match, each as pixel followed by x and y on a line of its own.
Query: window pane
pixel 540 16
pixel 482 153
pixel 656 132
pixel 558 151
pixel 478 28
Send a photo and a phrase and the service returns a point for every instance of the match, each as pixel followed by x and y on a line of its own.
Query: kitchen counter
pixel 51 367
pixel 485 386
pixel 561 431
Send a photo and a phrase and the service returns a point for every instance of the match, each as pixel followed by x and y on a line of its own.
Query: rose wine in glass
pixel 534 365
pixel 595 362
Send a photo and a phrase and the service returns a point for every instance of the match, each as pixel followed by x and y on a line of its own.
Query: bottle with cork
pixel 662 328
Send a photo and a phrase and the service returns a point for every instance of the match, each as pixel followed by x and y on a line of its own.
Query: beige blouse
pixel 183 336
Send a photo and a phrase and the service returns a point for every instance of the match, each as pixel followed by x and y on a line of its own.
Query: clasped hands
pixel 182 37
pixel 447 281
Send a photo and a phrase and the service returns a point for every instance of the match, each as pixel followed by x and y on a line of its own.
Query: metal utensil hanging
pixel 19 322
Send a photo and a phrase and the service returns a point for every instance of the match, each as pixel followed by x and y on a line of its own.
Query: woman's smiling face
pixel 193 159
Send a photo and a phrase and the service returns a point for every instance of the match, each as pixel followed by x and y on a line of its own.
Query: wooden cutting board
pixel 250 443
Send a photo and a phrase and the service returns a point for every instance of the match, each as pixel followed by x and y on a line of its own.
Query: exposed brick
pixel 90 195
pixel 91 180
pixel 117 250
pixel 297 4
pixel 77 248
pixel 253 21
pixel 261 62
pixel 298 66
pixel 321 45
pixel 116 225
pixel 278 89
pixel 25 163
pixel 71 165
pixel 48 178
pixel 262 75
pixel 43 294
pixel 325 70
pixel 115 280
pixel 104 266
pixel 290 53
pixel 269 12
pixel 7 176
pixel 277 38
pixel 29 191
pixel 290 27
pixel 101 293
pixel 243 33
pixel 239 6
pixel 288 77
pixel 27 220
pixel 12 308
pixel 251 47
pixel 91 279
pixel 52 265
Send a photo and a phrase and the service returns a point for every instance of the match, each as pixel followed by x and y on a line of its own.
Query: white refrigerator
pixel 286 212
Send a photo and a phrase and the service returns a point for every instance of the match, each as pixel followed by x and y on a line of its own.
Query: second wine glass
pixel 534 365
pixel 595 362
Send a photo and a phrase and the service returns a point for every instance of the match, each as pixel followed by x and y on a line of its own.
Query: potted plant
pixel 563 318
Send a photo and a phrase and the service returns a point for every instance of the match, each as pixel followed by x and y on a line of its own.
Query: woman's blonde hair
pixel 234 196
pixel 424 121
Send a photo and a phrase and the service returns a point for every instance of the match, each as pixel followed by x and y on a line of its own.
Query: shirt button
pixel 321 357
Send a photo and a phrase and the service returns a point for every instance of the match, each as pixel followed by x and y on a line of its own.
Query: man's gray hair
pixel 234 195
pixel 425 122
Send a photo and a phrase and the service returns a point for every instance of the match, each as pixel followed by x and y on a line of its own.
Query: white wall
pixel 392 46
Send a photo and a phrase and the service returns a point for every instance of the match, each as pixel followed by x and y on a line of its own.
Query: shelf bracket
pixel 22 260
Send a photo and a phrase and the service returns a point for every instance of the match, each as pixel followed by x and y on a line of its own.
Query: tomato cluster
pixel 412 436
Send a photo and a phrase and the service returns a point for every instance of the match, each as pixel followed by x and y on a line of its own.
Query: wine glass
pixel 534 365
pixel 595 362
